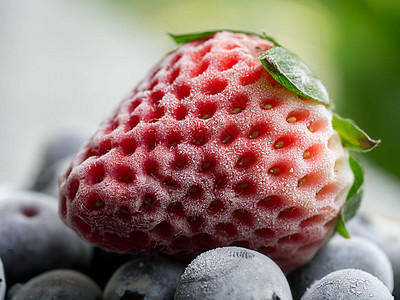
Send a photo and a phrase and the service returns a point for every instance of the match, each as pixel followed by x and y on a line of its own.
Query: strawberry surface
pixel 209 150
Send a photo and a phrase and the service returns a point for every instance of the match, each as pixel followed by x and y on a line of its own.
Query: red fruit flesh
pixel 210 151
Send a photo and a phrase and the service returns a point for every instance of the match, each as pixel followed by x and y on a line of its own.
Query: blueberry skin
pixel 57 284
pixel 65 141
pixel 392 249
pixel 386 234
pixel 340 253
pixel 233 273
pixel 348 284
pixel 2 282
pixel 145 277
pixel 33 239
pixel 363 225
pixel 47 180
pixel 57 153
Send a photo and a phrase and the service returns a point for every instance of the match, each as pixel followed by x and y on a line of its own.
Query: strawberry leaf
pixel 354 197
pixel 288 70
pixel 352 136
pixel 188 37
pixel 341 228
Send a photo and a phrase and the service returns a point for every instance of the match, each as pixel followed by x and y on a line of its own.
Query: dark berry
pixel 386 234
pixel 232 273
pixel 341 253
pixel 145 277
pixel 57 284
pixel 33 239
pixel 47 180
pixel 348 284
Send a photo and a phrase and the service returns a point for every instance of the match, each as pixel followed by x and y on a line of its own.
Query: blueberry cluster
pixel 41 258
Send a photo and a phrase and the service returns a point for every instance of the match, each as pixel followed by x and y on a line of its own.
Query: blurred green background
pixel 353 46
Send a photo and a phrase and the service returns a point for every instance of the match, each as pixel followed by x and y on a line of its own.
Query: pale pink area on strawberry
pixel 210 151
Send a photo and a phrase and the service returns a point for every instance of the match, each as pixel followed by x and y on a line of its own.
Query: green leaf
pixel 354 197
pixel 341 228
pixel 188 37
pixel 292 73
pixel 358 172
pixel 352 136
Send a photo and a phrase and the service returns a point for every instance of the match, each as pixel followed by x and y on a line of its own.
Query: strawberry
pixel 219 145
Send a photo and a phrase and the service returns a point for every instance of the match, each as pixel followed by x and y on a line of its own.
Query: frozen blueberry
pixel 64 141
pixel 348 284
pixel 365 226
pixel 2 282
pixel 385 233
pixel 47 180
pixel 33 239
pixel 340 253
pixel 392 249
pixel 57 284
pixel 232 273
pixel 145 277
pixel 58 151
pixel 388 231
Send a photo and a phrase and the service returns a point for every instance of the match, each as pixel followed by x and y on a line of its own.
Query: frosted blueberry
pixel 386 233
pixel 65 141
pixel 392 249
pixel 57 284
pixel 233 273
pixel 348 284
pixel 2 282
pixel 365 226
pixel 33 239
pixel 340 253
pixel 47 181
pixel 145 277
pixel 57 153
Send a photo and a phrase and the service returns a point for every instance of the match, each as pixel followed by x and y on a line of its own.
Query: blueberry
pixel 47 180
pixel 2 282
pixel 392 249
pixel 232 273
pixel 58 151
pixel 65 141
pixel 33 239
pixel 57 284
pixel 386 234
pixel 145 277
pixel 365 226
pixel 348 284
pixel 340 253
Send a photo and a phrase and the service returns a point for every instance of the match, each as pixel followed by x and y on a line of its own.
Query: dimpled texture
pixel 209 151
pixel 348 284
pixel 233 273
pixel 341 253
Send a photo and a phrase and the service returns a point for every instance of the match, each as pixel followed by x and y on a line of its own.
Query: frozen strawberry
pixel 224 143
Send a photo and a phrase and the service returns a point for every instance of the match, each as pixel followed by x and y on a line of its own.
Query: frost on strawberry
pixel 211 149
